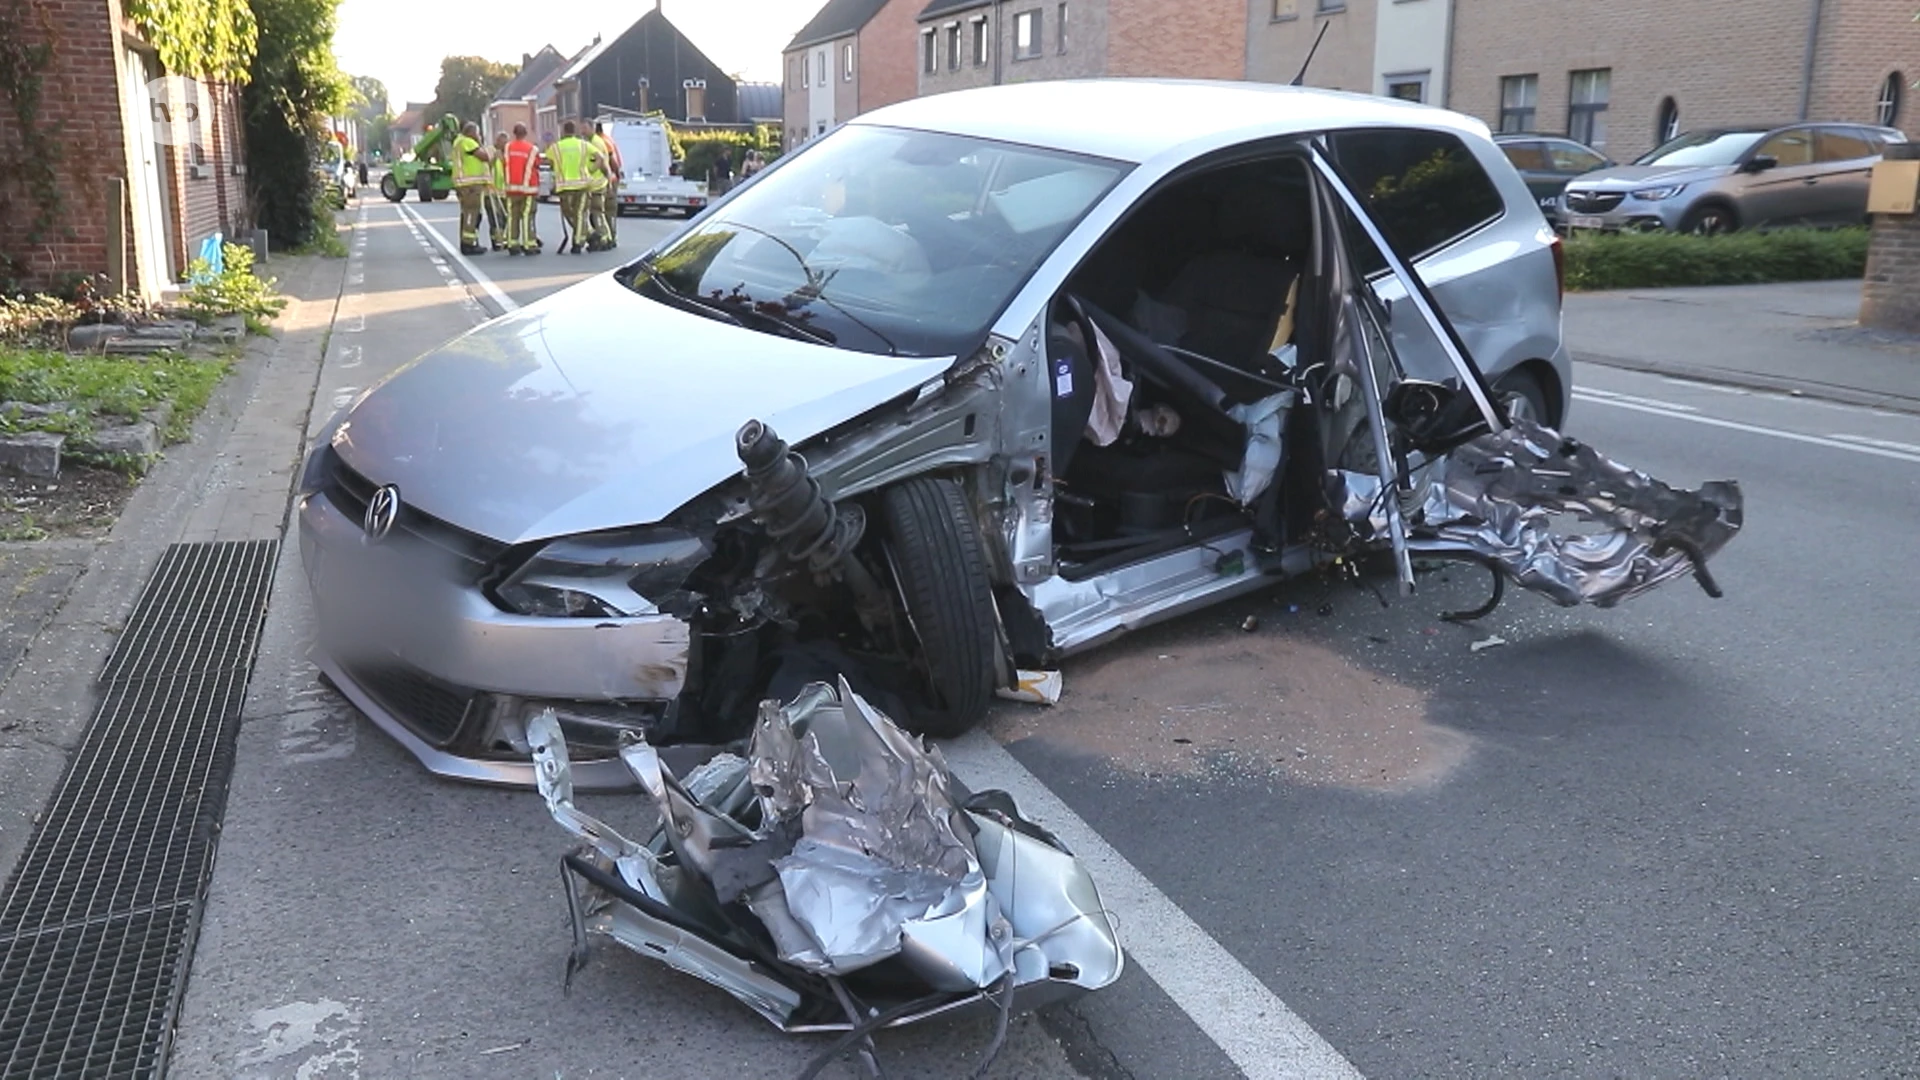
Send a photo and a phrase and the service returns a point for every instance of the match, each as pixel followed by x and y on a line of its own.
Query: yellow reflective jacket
pixel 570 163
pixel 468 169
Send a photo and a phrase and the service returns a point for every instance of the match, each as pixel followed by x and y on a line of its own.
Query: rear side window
pixel 1573 158
pixel 1526 156
pixel 1842 144
pixel 1424 188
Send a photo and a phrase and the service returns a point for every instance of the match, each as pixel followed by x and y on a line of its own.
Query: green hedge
pixel 1659 260
pixel 698 151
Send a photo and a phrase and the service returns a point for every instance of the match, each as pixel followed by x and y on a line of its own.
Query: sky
pixel 401 43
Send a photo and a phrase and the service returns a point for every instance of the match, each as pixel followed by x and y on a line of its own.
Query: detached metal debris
pixel 836 878
pixel 1495 501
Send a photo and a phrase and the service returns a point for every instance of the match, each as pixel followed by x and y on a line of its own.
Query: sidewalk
pixel 230 481
pixel 1799 338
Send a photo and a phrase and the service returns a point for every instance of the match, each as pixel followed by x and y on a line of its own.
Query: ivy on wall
pixel 205 39
pixel 23 67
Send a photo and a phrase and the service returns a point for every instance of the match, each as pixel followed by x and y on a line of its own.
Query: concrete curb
pixel 1841 395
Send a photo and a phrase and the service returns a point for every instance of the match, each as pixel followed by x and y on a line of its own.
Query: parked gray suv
pixel 1720 180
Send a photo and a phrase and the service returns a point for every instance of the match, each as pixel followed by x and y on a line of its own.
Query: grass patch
pixel 119 388
pixel 1666 260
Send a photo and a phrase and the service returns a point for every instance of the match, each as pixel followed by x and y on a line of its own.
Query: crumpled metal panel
pixel 1496 499
pixel 853 849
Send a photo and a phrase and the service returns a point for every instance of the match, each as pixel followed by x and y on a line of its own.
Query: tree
pixel 294 86
pixel 467 85
pixel 369 97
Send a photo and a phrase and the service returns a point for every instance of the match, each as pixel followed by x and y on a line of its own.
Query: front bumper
pixel 1627 215
pixel 409 637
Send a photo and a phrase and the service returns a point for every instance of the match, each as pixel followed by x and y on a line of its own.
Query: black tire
pixel 1520 392
pixel 942 577
pixel 1710 219
pixel 391 188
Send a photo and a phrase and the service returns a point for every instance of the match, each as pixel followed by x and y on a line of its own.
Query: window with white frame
pixel 821 56
pixel 929 59
pixel 1587 106
pixel 981 50
pixel 1062 31
pixel 1026 34
pixel 846 62
pixel 953 46
pixel 1517 96
pixel 1887 108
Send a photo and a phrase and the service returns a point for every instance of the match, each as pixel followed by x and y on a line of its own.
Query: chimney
pixel 525 59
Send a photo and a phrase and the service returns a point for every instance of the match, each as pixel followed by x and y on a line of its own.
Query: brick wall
pixel 888 66
pixel 1862 42
pixel 794 99
pixel 81 101
pixel 1279 34
pixel 215 200
pixel 1890 295
pixel 1720 67
pixel 1086 54
pixel 1191 39
pixel 846 89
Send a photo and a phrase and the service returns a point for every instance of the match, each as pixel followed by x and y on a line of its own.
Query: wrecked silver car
pixel 969 384
pixel 835 877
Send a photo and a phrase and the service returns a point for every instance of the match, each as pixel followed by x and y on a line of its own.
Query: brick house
pixel 166 169
pixel 967 43
pixel 519 100
pixel 852 57
pixel 1627 73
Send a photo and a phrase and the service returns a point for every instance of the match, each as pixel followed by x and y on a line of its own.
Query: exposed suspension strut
pixel 803 523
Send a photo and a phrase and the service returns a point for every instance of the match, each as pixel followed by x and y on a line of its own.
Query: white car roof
pixel 1137 120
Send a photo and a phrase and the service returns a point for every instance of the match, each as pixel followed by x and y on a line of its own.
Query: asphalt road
pixel 1670 839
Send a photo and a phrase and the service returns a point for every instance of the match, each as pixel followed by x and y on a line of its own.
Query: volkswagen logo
pixel 382 511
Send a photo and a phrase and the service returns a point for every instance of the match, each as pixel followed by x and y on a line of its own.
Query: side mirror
pixel 1760 163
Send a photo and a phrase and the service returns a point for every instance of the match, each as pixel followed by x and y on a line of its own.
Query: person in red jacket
pixel 522 161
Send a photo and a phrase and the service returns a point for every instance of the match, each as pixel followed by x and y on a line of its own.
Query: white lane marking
pixel 1655 403
pixel 1884 444
pixel 1255 1029
pixel 1755 429
pixel 505 302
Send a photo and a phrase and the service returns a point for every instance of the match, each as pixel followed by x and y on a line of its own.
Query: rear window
pixel 1526 156
pixel 1424 188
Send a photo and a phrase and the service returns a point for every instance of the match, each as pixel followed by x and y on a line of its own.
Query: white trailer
pixel 647 183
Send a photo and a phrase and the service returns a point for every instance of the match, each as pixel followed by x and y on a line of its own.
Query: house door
pixel 152 230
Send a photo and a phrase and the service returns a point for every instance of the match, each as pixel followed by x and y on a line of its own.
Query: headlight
pixel 1655 194
pixel 604 575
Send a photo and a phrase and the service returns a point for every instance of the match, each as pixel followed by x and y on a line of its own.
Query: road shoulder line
pixel 1254 1028
pixel 501 301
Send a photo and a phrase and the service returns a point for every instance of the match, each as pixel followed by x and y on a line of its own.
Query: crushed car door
pixel 1447 474
pixel 1442 398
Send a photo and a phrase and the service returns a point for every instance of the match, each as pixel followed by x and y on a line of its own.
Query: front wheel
pixel 391 188
pixel 940 568
pixel 1709 219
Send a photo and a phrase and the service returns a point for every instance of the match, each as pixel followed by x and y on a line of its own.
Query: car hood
pixel 597 408
pixel 1630 177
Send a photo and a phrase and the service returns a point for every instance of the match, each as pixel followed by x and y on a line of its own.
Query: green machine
pixel 428 167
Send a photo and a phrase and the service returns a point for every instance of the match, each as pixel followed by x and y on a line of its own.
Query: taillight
pixel 1559 268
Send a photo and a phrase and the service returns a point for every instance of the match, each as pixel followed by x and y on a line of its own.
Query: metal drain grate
pixel 98 922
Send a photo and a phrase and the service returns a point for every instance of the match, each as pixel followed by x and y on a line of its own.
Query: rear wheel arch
pixel 1540 382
